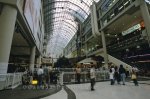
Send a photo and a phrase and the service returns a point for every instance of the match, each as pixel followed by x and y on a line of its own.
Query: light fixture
pixel 108 34
pixel 137 46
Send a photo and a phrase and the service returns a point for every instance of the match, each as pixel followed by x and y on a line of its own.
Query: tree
pixel 63 62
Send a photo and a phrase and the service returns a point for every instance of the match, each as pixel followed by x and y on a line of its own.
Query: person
pixel 46 75
pixel 116 75
pixel 111 76
pixel 40 75
pixel 122 73
pixel 134 77
pixel 127 71
pixel 92 77
pixel 78 74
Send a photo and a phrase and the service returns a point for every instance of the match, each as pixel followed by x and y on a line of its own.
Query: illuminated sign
pixel 138 26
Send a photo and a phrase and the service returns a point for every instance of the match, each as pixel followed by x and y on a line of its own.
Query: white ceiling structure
pixel 61 22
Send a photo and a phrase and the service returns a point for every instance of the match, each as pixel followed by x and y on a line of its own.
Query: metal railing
pixel 10 80
pixel 70 77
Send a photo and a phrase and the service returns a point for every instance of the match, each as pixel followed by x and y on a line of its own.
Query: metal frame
pixel 63 23
pixel 53 2
pixel 65 12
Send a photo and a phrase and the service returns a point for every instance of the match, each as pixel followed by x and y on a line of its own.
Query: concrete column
pixel 146 17
pixel 7 25
pixel 39 61
pixel 86 48
pixel 94 21
pixel 104 49
pixel 32 58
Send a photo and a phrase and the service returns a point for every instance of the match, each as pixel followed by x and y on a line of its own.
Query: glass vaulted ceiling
pixel 61 22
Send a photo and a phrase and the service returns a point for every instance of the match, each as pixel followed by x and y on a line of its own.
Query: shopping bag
pixel 133 76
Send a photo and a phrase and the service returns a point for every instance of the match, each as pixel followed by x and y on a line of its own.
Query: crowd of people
pixel 117 74
pixel 43 75
pixel 120 74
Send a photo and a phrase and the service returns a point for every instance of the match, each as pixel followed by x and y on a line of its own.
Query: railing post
pixel 61 79
pixel 13 80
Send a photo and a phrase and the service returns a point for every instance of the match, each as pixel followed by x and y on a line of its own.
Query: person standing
pixel 46 75
pixel 78 74
pixel 40 75
pixel 111 76
pixel 127 71
pixel 117 75
pixel 92 77
pixel 122 73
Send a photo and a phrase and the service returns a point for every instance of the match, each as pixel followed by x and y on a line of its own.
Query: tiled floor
pixel 60 95
pixel 106 91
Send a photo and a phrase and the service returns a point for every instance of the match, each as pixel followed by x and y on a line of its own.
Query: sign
pixel 46 60
pixel 138 26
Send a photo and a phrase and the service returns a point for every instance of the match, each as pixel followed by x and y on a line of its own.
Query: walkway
pixel 82 91
pixel 60 95
pixel 20 93
pixel 106 91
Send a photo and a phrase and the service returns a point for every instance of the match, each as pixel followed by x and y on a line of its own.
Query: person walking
pixel 78 74
pixel 92 77
pixel 122 73
pixel 134 77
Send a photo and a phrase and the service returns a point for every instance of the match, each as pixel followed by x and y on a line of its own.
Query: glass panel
pixel 61 21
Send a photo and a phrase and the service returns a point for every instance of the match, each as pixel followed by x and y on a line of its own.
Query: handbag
pixel 133 76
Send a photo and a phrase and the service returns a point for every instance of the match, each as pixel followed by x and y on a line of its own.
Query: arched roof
pixel 61 19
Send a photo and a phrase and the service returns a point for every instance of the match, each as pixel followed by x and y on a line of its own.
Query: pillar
pixel 104 49
pixel 86 49
pixel 94 21
pixel 32 58
pixel 146 17
pixel 7 25
pixel 39 61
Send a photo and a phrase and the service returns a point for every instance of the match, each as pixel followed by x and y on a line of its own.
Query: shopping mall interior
pixel 62 35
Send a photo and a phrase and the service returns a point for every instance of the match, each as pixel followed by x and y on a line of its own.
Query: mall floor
pixel 103 90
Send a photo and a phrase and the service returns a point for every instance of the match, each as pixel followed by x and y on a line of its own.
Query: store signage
pixel 46 60
pixel 131 29
pixel 148 1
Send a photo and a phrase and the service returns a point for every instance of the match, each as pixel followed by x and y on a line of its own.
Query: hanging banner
pixel 131 29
